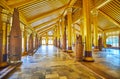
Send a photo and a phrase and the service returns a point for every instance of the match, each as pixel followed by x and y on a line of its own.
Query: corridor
pixel 50 62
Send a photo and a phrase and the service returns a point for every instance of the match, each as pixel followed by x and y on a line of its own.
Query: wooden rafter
pixel 45 23
pixel 111 19
pixel 46 27
pixel 16 4
pixel 40 16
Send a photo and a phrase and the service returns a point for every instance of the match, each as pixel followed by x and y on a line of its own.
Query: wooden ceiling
pixel 41 14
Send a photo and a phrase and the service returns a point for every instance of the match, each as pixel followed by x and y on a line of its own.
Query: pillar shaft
pixel 87 25
pixel 36 42
pixel 46 38
pixel 82 31
pixel 95 24
pixel 104 39
pixel 69 19
pixel 63 34
pixel 30 49
pixel 58 35
pixel 73 36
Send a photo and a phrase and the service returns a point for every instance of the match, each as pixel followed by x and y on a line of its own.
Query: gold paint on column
pixel 46 38
pixel 73 36
pixel 82 31
pixel 63 34
pixel 87 25
pixel 25 43
pixel 69 20
pixel 95 25
pixel 104 39
pixel 58 35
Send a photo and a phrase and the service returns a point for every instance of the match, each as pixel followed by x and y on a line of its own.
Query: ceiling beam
pixel 47 30
pixel 45 23
pixel 103 4
pixel 16 4
pixel 112 29
pixel 43 15
pixel 109 18
pixel 46 27
pixel 72 3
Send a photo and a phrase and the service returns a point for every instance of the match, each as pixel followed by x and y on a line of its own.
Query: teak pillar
pixel 15 39
pixel 87 25
pixel 69 21
pixel 55 37
pixel 25 42
pixel 36 42
pixel 58 35
pixel 95 24
pixel 46 38
pixel 73 36
pixel 3 38
pixel 104 39
pixel 30 46
pixel 63 35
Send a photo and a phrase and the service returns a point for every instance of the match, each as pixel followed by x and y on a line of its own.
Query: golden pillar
pixel 46 38
pixel 25 42
pixel 30 44
pixel 69 34
pixel 58 35
pixel 4 14
pixel 55 39
pixel 63 34
pixel 73 36
pixel 87 25
pixel 104 39
pixel 95 25
pixel 4 42
pixel 82 31
pixel 8 36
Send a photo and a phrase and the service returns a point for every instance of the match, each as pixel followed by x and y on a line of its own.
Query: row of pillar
pixel 67 31
pixel 12 38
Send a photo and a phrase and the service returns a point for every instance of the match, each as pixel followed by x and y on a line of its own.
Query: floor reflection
pixel 51 63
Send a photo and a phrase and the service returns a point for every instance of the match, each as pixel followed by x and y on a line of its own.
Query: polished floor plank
pixel 51 63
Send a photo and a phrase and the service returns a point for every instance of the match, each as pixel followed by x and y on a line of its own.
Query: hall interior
pixel 85 31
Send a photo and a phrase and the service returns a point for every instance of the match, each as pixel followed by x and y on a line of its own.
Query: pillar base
pixel 15 62
pixel 95 49
pixel 64 50
pixel 3 64
pixel 69 51
pixel 88 59
pixel 88 56
pixel 24 53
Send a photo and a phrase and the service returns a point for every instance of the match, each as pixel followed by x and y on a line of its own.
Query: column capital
pixel 94 12
pixel 69 10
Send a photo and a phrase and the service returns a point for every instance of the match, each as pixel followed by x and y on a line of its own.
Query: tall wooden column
pixel 104 39
pixel 36 42
pixel 25 42
pixel 58 35
pixel 3 37
pixel 30 49
pixel 15 39
pixel 46 38
pixel 69 19
pixel 87 25
pixel 55 37
pixel 63 35
pixel 73 36
pixel 95 25
pixel 82 31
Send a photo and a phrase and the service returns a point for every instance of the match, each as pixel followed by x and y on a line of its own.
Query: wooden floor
pixel 50 62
